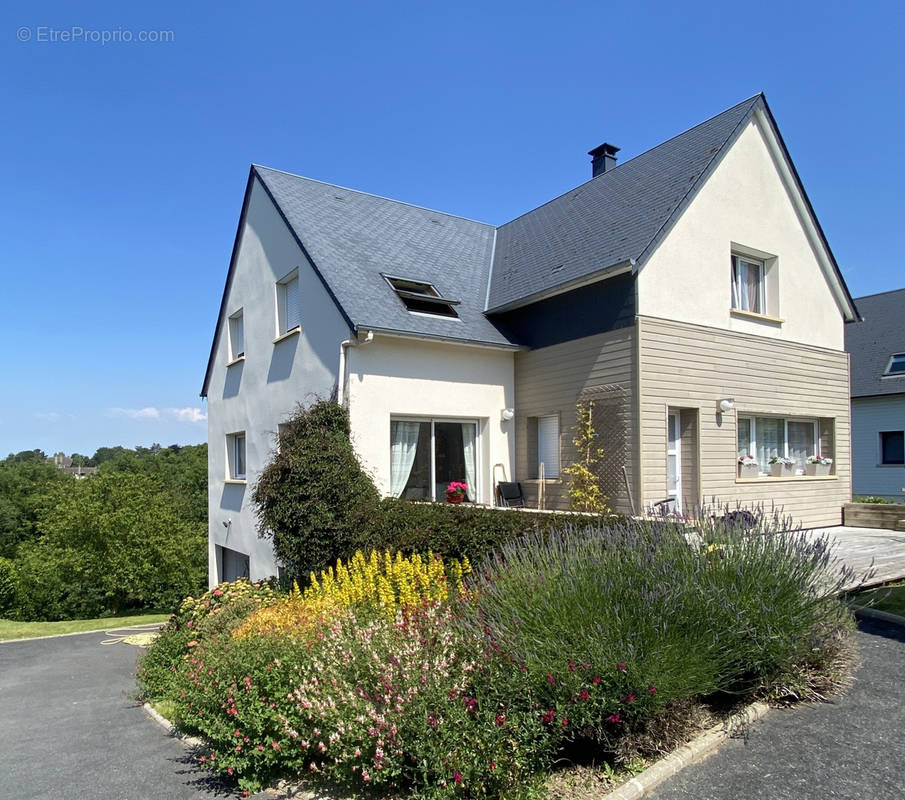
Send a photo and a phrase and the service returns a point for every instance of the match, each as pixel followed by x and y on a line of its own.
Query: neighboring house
pixel 877 350
pixel 692 274
pixel 64 464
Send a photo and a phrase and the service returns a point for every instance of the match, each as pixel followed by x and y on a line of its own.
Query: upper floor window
pixel 892 447
pixel 896 365
pixel 235 456
pixel 422 297
pixel 749 284
pixel 236 336
pixel 289 308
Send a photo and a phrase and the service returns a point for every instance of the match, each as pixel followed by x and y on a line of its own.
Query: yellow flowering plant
pixel 380 582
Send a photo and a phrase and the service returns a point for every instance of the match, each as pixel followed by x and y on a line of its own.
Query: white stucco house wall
pixel 877 349
pixel 661 287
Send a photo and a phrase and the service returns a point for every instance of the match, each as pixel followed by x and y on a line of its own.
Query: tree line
pixel 132 536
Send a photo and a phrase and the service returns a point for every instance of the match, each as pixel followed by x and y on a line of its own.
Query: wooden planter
pixel 749 470
pixel 781 471
pixel 816 469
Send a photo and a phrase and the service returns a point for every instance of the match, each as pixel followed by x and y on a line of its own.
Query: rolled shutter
pixel 293 304
pixel 548 445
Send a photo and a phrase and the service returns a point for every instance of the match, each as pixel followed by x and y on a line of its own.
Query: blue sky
pixel 125 162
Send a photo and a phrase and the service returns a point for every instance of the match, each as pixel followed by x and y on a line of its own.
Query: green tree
pixel 23 485
pixel 585 493
pixel 110 542
pixel 313 498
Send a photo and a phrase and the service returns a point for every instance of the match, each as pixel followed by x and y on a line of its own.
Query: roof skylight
pixel 896 365
pixel 422 298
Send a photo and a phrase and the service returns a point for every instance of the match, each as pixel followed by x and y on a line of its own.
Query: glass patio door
pixel 427 455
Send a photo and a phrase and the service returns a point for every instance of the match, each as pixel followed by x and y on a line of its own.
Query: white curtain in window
pixel 548 446
pixel 403 445
pixel 468 444
pixel 746 286
pixel 771 440
pixel 802 443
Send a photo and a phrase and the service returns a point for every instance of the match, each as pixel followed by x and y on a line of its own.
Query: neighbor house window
pixel 289 309
pixel 236 336
pixel 892 447
pixel 233 564
pixel 426 455
pixel 794 438
pixel 235 455
pixel 749 285
pixel 896 365
pixel 422 298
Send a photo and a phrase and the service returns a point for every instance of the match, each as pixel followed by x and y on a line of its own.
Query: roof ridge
pixel 257 167
pixel 610 171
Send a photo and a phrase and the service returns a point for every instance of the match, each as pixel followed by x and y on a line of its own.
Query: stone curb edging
pixel 696 750
pixel 188 741
pixel 875 613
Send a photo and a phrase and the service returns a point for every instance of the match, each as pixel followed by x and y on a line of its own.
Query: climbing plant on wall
pixel 585 493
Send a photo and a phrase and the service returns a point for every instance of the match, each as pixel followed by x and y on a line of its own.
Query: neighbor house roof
pixel 870 343
pixel 353 238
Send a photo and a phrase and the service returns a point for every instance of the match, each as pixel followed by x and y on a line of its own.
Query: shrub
pixel 313 496
pixel 453 531
pixel 871 499
pixel 215 613
pixel 610 624
pixel 8 601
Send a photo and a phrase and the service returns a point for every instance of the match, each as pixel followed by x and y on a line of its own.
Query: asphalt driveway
pixel 852 749
pixel 68 728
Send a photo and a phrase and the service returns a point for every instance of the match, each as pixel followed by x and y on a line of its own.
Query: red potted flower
pixel 456 492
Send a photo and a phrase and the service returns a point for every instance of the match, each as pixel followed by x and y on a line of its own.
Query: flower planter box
pixel 749 470
pixel 816 469
pixel 781 471
pixel 454 498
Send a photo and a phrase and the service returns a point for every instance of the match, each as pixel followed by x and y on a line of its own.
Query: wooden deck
pixel 877 555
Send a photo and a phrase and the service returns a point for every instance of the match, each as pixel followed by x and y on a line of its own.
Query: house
pixel 64 464
pixel 689 292
pixel 877 350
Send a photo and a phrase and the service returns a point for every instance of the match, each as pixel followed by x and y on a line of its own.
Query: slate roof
pixel 612 219
pixel 352 237
pixel 871 342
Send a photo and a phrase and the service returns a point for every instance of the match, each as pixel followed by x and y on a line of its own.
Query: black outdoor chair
pixel 510 494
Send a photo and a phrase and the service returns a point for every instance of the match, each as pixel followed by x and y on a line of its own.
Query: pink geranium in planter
pixel 456 492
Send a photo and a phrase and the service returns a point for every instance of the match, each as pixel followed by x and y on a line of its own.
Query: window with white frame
pixel 892 447
pixel 749 284
pixel 289 309
pixel 236 335
pixel 426 455
pixel 235 456
pixel 796 438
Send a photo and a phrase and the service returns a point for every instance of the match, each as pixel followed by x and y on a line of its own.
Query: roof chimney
pixel 602 158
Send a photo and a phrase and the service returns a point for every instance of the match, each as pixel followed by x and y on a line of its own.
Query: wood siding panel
pixel 689 366
pixel 550 380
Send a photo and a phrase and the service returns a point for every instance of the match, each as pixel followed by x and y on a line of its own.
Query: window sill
pixel 534 481
pixel 890 466
pixel 236 360
pixel 791 478
pixel 236 481
pixel 291 332
pixel 737 312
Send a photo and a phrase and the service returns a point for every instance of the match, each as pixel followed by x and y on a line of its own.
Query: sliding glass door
pixel 427 455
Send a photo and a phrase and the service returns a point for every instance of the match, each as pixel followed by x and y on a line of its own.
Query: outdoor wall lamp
pixel 726 405
pixel 507 414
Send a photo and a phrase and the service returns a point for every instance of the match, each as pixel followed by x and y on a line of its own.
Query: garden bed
pixel 426 679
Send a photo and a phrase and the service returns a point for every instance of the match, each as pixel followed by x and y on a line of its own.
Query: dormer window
pixel 422 298
pixel 896 365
